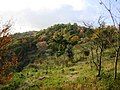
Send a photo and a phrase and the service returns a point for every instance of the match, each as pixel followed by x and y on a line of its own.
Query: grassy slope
pixel 52 73
pixel 59 73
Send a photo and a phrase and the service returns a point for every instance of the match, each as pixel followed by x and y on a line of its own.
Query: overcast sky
pixel 38 14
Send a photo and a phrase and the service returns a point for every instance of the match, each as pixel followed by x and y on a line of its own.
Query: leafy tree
pixel 69 52
pixel 8 58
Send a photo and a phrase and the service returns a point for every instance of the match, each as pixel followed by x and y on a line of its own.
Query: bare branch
pixel 109 10
pixel 101 20
pixel 89 25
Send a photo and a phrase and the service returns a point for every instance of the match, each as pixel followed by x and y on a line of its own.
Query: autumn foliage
pixel 8 59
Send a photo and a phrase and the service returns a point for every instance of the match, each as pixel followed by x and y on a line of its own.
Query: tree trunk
pixel 117 55
pixel 92 58
pixel 100 62
pixel 116 62
pixel 97 54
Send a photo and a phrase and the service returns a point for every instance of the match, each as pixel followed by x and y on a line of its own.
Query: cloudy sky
pixel 38 14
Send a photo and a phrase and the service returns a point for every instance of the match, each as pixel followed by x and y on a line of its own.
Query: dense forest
pixel 62 57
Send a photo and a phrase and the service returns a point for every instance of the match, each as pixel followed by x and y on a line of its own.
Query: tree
pixel 95 40
pixel 116 24
pixel 42 46
pixel 8 58
pixel 69 53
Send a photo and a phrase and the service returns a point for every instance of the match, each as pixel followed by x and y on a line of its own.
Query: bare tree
pixel 98 42
pixel 115 23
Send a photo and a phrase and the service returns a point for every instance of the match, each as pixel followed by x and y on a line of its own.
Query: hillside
pixel 66 56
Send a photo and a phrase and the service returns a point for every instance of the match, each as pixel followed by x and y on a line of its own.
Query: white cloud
pixel 34 14
pixel 38 14
pixel 18 5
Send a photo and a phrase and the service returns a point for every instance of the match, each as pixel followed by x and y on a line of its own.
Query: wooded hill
pixel 66 45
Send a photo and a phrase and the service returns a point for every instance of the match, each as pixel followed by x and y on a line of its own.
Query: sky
pixel 28 15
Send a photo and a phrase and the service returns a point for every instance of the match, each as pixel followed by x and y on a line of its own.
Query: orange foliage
pixel 42 45
pixel 5 40
pixel 41 38
pixel 6 79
